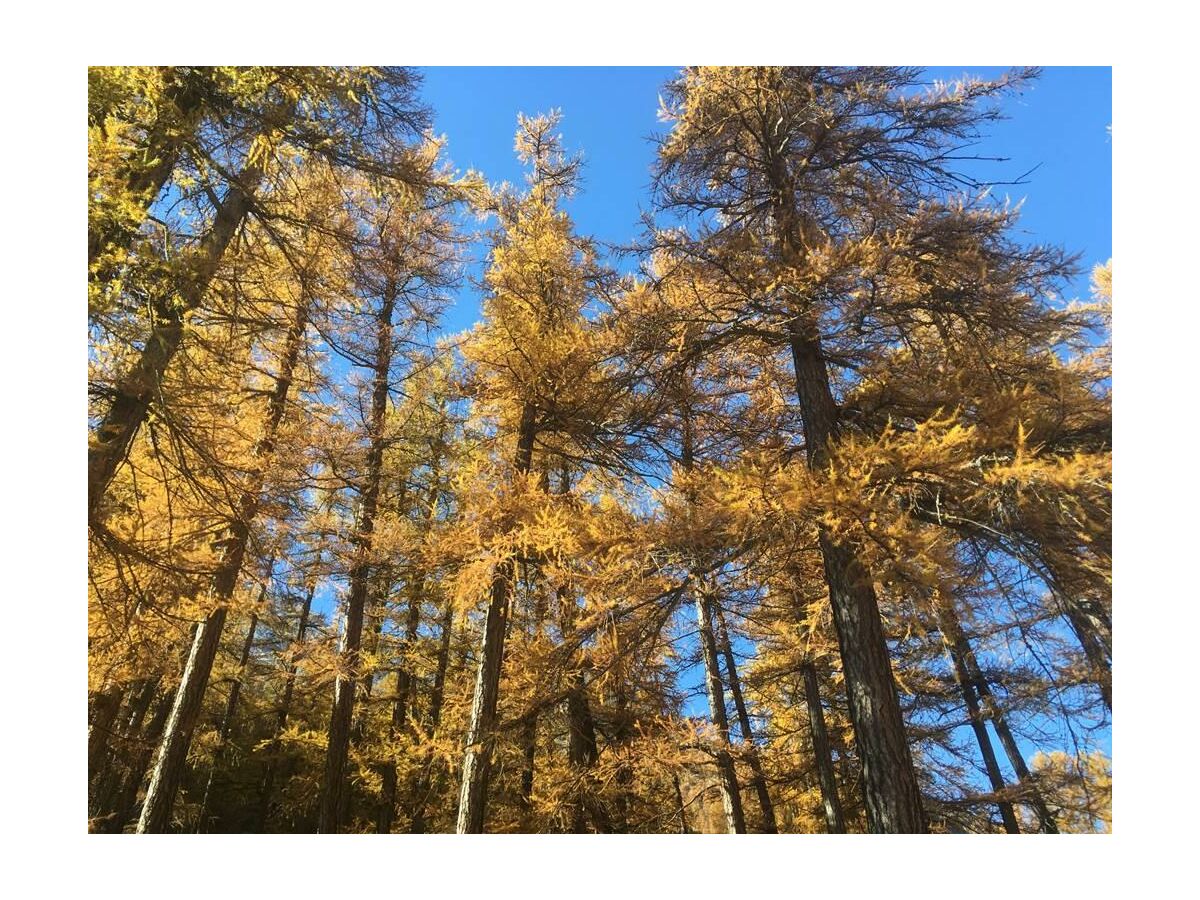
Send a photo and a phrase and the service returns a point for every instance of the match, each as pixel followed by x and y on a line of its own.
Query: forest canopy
pixel 791 515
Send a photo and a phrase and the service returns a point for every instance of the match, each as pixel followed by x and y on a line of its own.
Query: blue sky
pixel 1058 125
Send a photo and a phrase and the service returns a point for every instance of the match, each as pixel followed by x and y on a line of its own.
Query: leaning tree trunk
pixel 472 801
pixel 334 791
pixel 768 825
pixel 983 691
pixel 139 387
pixel 953 640
pixel 172 752
pixel 106 705
pixel 835 822
pixel 1093 629
pixel 108 780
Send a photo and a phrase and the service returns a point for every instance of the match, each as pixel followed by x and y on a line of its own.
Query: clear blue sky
pixel 1059 125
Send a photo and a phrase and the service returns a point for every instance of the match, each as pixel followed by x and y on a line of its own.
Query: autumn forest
pixel 792 514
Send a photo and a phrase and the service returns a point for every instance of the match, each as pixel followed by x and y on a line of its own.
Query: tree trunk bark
pixel 172 753
pixel 953 640
pixel 140 386
pixel 106 777
pixel 952 628
pixel 425 778
pixel 731 798
pixel 890 788
pixel 334 793
pixel 835 822
pixel 472 801
pixel 400 708
pixel 767 824
pixel 893 797
pixel 106 704
pixel 683 823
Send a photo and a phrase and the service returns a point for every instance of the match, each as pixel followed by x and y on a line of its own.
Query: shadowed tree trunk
pixel 767 824
pixel 106 705
pixel 683 823
pixel 177 737
pixel 472 801
pixel 529 732
pixel 893 797
pixel 126 805
pixel 731 799
pixel 334 790
pixel 835 822
pixel 109 777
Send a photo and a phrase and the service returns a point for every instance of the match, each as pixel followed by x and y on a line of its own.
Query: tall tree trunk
pixel 582 752
pixel 890 788
pixel 893 798
pixel 954 640
pixel 768 825
pixel 334 791
pixel 400 707
pixel 835 822
pixel 529 732
pixel 472 802
pixel 285 708
pixel 421 789
pixel 582 747
pixel 952 629
pixel 731 798
pixel 172 753
pixel 134 392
